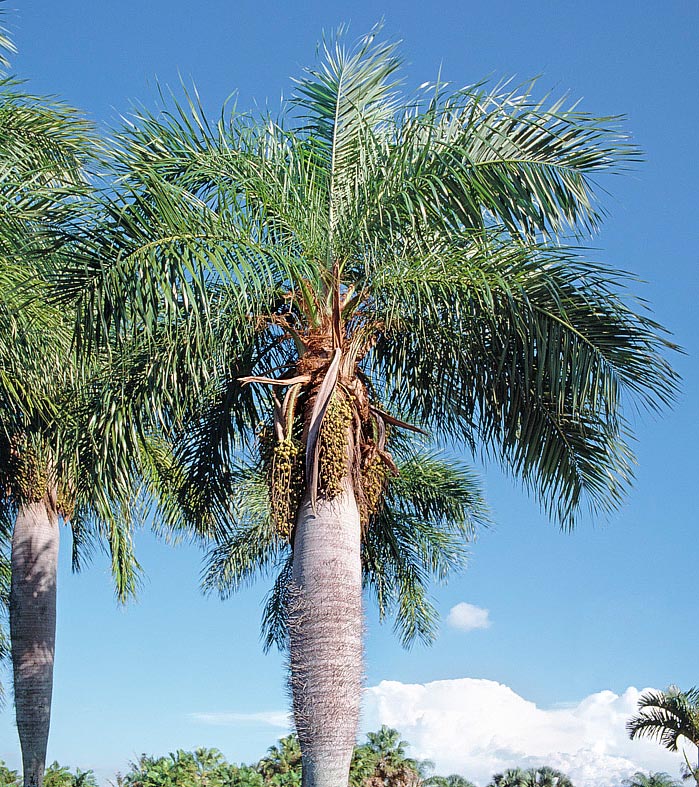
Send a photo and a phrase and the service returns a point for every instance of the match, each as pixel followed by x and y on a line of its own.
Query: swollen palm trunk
pixel 326 637
pixel 33 629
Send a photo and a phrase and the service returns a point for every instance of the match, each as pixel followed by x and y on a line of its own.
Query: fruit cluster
pixel 332 465
pixel 285 481
pixel 26 473
pixel 374 479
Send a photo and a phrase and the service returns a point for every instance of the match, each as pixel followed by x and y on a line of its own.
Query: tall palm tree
pixel 56 457
pixel 668 716
pixel 359 269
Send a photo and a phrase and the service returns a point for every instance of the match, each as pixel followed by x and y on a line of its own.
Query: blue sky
pixel 571 615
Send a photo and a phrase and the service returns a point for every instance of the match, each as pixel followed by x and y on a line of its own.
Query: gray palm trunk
pixel 33 629
pixel 326 636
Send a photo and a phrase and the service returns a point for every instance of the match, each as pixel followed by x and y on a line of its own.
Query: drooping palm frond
pixel 7 46
pixel 251 545
pixel 528 352
pixel 151 262
pixel 432 509
pixel 667 716
pixel 463 160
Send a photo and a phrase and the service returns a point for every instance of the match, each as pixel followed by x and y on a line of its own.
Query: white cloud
pixel 478 727
pixel 467 617
pixel 280 719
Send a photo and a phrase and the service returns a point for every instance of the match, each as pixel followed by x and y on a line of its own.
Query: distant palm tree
pixel 512 777
pixel 454 780
pixel 8 778
pixel 658 779
pixel 532 777
pixel 668 717
pixel 60 776
pixel 281 766
pixel 387 761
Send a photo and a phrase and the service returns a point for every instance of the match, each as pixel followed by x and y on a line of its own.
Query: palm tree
pixel 382 761
pixel 57 461
pixel 549 777
pixel 282 765
pixel 8 778
pixel 657 779
pixel 668 716
pixel 532 777
pixel 512 777
pixel 362 268
pixel 453 780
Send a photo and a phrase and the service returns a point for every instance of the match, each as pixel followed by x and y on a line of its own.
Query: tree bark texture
pixel 33 629
pixel 325 627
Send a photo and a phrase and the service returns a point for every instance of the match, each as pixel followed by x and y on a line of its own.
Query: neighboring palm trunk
pixel 33 629
pixel 326 636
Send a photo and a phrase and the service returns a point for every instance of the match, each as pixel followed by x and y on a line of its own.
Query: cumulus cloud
pixel 478 727
pixel 467 617
pixel 273 718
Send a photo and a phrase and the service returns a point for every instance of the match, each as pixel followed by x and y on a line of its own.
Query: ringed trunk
pixel 33 629
pixel 325 627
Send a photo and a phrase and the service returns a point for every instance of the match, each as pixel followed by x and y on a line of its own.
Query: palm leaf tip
pixel 348 82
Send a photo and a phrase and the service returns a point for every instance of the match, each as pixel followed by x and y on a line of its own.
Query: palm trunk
pixel 326 637
pixel 33 629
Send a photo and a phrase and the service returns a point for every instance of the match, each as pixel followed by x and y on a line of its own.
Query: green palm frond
pixel 502 155
pixel 7 46
pixel 432 509
pixel 667 716
pixel 152 261
pixel 251 545
pixel 275 630
pixel 529 352
pixel 343 103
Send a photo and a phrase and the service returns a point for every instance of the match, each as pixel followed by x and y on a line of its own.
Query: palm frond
pixel 7 46
pixel 343 102
pixel 529 352
pixel 275 622
pixel 458 162
pixel 432 510
pixel 251 545
pixel 667 716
